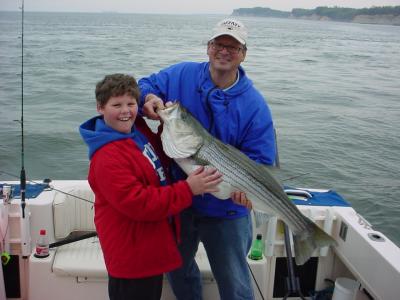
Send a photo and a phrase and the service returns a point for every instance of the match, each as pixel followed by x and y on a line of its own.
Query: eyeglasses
pixel 231 49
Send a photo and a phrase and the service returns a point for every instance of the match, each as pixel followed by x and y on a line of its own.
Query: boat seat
pixel 80 259
pixel 85 259
pixel 73 214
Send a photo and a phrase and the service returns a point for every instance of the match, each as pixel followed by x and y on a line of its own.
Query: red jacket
pixel 132 210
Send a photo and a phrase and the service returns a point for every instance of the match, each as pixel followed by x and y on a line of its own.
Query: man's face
pixel 120 112
pixel 225 53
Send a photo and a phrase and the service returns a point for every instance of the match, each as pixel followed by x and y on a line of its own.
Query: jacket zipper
pixel 209 109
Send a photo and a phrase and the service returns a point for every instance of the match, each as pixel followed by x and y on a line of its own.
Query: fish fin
pixel 201 162
pixel 305 244
pixel 188 165
pixel 261 217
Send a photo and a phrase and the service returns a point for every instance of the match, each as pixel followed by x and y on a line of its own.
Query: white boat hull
pixel 77 270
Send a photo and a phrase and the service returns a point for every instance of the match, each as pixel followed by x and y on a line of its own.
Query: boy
pixel 133 203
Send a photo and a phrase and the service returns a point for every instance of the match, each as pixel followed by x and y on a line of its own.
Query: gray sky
pixel 180 6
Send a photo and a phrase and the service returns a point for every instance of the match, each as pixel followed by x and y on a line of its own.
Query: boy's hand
pixel 151 105
pixel 204 180
pixel 240 198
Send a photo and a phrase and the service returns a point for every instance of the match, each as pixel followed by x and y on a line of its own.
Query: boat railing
pixel 274 234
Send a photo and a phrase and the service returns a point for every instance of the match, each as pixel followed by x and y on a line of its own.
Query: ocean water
pixel 333 88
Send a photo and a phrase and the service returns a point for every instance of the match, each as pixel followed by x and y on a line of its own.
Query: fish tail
pixel 305 244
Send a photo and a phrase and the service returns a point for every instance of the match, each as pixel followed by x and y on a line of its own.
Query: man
pixel 220 95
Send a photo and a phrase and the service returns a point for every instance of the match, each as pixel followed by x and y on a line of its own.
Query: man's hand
pixel 240 198
pixel 151 105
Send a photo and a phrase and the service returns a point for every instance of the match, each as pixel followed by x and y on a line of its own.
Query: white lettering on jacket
pixel 151 155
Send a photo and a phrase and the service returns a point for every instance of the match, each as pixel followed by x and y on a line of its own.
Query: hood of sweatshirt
pixel 96 134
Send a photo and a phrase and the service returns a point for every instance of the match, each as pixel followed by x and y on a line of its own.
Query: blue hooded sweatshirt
pixel 238 116
pixel 96 134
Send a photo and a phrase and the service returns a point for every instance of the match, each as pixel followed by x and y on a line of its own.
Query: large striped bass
pixel 186 141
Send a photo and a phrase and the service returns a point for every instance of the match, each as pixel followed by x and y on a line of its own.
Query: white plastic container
pixel 345 289
pixel 42 245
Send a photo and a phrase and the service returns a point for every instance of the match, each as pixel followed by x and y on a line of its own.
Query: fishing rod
pixel 277 161
pixel 22 174
pixel 25 214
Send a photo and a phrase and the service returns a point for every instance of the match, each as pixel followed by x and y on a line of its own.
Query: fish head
pixel 181 136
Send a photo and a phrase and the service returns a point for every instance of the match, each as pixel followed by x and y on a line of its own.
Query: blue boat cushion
pixel 325 198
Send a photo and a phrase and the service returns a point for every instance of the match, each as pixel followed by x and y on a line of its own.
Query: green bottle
pixel 257 248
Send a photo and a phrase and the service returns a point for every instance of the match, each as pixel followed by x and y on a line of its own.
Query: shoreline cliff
pixel 386 15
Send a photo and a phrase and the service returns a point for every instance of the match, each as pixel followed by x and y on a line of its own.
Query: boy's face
pixel 119 112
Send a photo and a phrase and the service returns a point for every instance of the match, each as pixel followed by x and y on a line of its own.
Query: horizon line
pixel 185 13
pixel 116 12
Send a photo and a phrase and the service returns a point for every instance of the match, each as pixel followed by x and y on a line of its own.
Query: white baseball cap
pixel 231 27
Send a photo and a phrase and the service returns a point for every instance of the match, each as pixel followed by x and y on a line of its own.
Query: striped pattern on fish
pixel 247 176
pixel 186 141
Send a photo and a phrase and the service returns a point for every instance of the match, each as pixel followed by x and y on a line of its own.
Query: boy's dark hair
pixel 115 85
